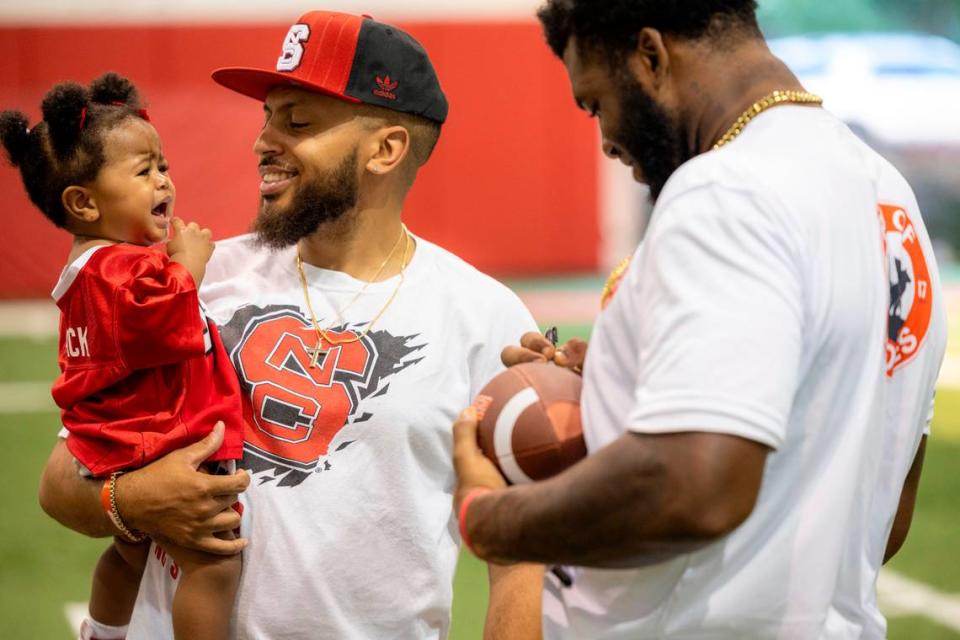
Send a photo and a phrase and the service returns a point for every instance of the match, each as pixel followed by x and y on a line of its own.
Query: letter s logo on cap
pixel 292 53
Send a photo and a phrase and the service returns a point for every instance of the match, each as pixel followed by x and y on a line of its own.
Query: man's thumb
pixel 203 449
pixel 465 432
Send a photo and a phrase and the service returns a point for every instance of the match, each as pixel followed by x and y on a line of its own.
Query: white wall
pixel 179 11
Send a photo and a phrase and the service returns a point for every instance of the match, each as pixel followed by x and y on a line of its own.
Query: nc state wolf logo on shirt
pixel 911 296
pixel 294 411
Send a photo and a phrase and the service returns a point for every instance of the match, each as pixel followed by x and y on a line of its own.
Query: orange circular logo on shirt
pixel 911 293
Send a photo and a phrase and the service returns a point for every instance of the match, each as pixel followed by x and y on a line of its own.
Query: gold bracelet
pixel 126 532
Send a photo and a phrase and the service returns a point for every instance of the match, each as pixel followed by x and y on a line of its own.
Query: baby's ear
pixel 80 205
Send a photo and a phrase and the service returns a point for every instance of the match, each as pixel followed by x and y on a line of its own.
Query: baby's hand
pixel 191 246
pixel 190 239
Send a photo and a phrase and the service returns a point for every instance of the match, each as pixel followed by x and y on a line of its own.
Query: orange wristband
pixel 105 498
pixel 462 516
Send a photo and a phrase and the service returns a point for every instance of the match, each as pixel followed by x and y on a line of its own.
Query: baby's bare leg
pixel 204 601
pixel 116 582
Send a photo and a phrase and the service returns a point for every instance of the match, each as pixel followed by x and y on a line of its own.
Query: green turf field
pixel 43 566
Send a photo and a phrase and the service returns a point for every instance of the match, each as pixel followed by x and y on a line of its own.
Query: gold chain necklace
pixel 758 107
pixel 761 105
pixel 366 284
pixel 317 352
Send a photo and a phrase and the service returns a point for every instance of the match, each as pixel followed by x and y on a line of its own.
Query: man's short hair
pixel 612 25
pixel 424 133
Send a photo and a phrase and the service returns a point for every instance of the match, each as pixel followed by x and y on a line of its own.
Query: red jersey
pixel 143 372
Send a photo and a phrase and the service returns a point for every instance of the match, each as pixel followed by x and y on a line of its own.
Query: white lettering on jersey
pixel 162 557
pixel 292 51
pixel 80 335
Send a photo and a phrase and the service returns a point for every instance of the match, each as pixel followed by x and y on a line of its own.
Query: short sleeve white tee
pixel 786 293
pixel 349 510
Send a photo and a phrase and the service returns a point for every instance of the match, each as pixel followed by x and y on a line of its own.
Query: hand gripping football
pixel 530 421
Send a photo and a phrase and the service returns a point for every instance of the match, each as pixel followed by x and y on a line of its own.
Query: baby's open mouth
pixel 161 209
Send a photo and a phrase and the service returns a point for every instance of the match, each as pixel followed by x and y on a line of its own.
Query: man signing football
pixel 759 387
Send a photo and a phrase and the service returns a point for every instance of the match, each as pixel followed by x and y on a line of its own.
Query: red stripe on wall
pixel 512 186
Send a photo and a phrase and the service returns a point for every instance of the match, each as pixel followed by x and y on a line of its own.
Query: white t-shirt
pixel 759 305
pixel 349 511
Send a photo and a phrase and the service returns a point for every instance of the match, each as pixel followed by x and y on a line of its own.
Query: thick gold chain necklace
pixel 758 107
pixel 761 105
pixel 318 351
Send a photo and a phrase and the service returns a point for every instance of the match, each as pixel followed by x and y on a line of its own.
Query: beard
pixel 315 203
pixel 649 135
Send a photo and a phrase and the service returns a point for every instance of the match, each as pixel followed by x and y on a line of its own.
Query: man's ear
pixel 79 204
pixel 393 145
pixel 649 62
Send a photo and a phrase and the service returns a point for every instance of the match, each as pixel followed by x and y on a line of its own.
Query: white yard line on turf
pixel 899 596
pixel 34 397
pixel 75 612
pixel 902 596
pixel 29 318
pixel 25 397
pixel 950 372
pixel 40 318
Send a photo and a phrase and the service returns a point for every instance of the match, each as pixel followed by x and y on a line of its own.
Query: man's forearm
pixel 593 513
pixel 631 503
pixel 514 608
pixel 70 499
pixel 167 499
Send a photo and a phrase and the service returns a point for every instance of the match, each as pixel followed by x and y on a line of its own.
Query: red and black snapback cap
pixel 354 58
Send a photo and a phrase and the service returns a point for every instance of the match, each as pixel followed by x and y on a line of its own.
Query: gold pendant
pixel 316 354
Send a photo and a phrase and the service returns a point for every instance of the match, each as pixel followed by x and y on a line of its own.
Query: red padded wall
pixel 512 186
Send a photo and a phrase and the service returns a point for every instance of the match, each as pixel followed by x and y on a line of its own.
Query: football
pixel 530 421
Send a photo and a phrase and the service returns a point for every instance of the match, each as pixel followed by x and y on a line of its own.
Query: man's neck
pixel 728 83
pixel 358 244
